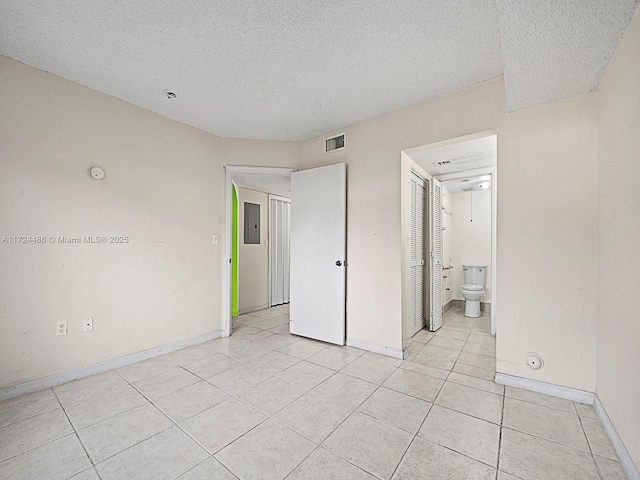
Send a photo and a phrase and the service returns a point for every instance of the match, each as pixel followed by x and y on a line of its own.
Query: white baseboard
pixel 582 397
pixel 572 394
pixel 625 459
pixel 375 348
pixel 60 378
pixel 253 309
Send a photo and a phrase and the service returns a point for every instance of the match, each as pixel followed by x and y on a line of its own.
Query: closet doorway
pixel 279 228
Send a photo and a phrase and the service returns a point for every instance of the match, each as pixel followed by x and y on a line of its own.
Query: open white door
pixel 435 201
pixel 317 253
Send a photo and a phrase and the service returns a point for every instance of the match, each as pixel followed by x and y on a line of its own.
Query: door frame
pixel 493 171
pixel 270 197
pixel 226 281
pixel 407 166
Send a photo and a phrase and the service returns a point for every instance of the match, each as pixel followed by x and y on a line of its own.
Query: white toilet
pixel 473 288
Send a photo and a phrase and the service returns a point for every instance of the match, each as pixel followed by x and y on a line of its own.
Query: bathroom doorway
pixel 466 238
pixel 467 169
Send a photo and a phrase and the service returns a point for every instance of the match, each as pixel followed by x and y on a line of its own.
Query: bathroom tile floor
pixel 264 404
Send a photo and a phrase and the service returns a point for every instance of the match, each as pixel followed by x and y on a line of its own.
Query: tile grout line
pixel 462 413
pixel 504 391
pixel 586 437
pixel 355 410
pixel 211 455
pixel 306 390
pixel 268 417
pixel 75 431
pixel 318 445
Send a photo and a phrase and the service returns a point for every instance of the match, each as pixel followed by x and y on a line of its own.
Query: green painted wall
pixel 234 255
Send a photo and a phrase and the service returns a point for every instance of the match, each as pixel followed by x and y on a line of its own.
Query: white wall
pixel 374 302
pixel 618 370
pixel 546 224
pixel 471 239
pixel 164 189
pixel 547 242
pixel 447 245
pixel 253 263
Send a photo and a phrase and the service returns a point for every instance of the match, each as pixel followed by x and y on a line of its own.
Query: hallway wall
pixel 254 259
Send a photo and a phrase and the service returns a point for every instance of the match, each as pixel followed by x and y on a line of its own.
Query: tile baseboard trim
pixel 447 306
pixel 455 302
pixel 60 378
pixel 253 309
pixel 375 348
pixel 567 393
pixel 625 459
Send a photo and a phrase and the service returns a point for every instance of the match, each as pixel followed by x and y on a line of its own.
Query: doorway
pixel 279 254
pixel 249 187
pixel 465 158
pixel 317 248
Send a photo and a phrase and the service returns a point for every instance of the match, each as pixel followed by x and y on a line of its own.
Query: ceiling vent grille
pixel 338 142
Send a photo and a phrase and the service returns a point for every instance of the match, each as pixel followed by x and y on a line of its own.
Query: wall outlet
pixel 215 239
pixel 61 328
pixel 87 324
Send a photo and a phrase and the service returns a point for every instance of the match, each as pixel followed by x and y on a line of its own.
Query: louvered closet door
pixel 435 318
pixel 279 241
pixel 418 267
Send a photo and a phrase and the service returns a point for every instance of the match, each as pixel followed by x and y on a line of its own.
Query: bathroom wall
pixel 618 361
pixel 471 237
pixel 447 244
pixel 253 279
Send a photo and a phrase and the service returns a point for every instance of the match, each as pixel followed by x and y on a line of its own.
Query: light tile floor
pixel 264 404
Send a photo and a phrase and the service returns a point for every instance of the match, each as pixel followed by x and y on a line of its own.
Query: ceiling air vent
pixel 335 143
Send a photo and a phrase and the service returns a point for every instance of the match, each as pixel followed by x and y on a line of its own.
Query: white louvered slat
pixel 435 321
pixel 417 240
pixel 413 222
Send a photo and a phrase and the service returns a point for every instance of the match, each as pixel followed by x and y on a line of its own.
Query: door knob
pixel 339 263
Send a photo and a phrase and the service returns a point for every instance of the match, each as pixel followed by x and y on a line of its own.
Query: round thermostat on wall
pixel 97 173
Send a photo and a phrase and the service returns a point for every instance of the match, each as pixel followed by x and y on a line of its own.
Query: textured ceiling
pixel 294 70
pixel 467 155
pixel 276 184
pixel 558 49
